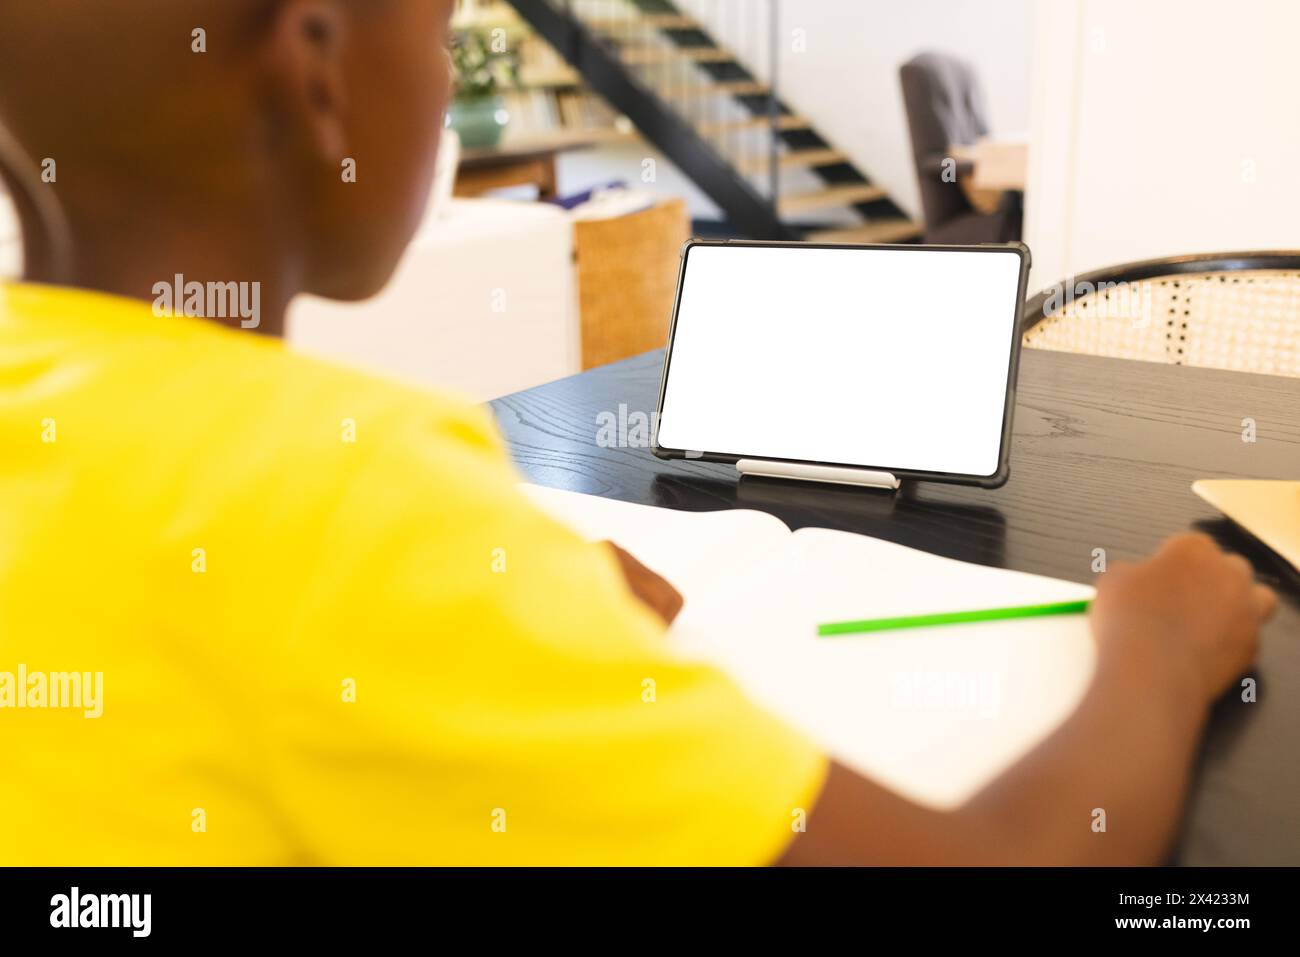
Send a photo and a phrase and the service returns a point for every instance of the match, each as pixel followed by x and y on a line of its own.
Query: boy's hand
pixel 662 598
pixel 1190 608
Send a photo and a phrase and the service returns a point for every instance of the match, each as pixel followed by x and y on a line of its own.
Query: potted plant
pixel 485 65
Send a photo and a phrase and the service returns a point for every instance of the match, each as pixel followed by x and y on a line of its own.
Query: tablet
pixel 896 359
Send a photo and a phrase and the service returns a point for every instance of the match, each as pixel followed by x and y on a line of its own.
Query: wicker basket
pixel 627 277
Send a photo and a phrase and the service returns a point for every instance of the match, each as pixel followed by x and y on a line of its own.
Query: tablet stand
pixel 835 474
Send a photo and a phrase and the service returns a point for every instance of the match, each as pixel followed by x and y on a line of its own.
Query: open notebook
pixel 932 713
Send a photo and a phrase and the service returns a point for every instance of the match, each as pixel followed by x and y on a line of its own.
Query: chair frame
pixel 1277 259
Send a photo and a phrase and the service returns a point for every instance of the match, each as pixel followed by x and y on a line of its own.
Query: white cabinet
pixel 484 303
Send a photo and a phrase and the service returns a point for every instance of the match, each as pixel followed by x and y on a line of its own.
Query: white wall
pixel 11 242
pixel 1162 127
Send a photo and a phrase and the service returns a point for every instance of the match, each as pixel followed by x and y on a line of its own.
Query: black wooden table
pixel 1104 455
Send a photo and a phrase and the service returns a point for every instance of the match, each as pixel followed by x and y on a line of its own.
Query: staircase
pixel 725 128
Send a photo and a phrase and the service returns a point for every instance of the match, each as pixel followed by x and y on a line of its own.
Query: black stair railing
pixel 665 100
pixel 775 132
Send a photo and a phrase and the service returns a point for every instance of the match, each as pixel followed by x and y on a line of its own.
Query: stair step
pixel 655 21
pixel 876 231
pixel 784 121
pixel 793 159
pixel 648 56
pixel 636 39
pixel 726 88
pixel 846 195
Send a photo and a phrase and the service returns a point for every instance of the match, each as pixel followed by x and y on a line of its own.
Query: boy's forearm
pixel 1106 787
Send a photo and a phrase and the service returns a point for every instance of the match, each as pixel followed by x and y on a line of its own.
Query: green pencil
pixel 951 618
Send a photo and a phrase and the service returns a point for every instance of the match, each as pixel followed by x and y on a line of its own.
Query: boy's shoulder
pixel 317 414
pixel 184 395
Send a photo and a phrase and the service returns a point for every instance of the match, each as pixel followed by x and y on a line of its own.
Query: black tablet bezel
pixel 996 480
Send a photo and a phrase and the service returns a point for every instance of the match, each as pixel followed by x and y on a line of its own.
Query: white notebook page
pixel 932 713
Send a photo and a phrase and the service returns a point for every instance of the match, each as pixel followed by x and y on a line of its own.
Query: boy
pixel 278 576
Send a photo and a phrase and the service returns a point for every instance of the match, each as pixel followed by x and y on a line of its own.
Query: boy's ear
pixel 306 48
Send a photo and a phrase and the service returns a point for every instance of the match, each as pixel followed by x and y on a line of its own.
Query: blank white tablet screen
pixel 896 359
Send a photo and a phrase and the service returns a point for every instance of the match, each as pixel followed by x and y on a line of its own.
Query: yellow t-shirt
pixel 325 628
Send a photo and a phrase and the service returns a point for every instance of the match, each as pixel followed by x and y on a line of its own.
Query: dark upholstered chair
pixel 945 106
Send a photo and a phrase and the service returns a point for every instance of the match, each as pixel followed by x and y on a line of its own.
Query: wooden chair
pixel 1237 311
pixel 627 278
